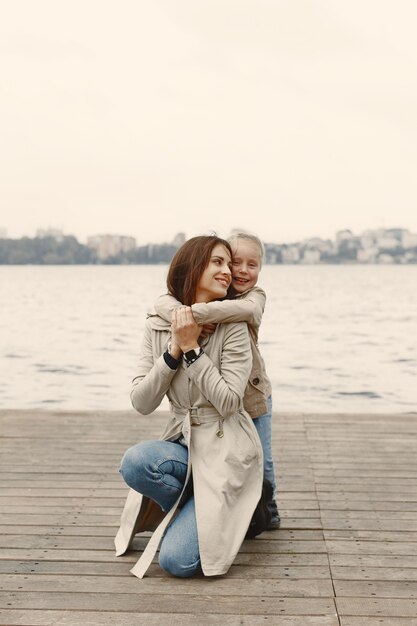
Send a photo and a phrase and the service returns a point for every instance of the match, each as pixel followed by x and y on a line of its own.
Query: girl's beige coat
pixel 246 307
pixel 225 454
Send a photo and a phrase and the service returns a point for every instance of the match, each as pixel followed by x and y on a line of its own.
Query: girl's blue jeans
pixel 157 469
pixel 263 425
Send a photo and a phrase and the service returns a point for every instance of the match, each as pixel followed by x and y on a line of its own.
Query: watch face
pixel 192 355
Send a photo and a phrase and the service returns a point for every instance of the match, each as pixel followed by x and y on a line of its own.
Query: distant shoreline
pixel 166 264
pixel 393 246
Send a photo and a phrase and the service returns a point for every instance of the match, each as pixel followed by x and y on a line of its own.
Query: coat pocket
pixel 242 440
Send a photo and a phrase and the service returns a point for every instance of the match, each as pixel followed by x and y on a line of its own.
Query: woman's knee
pixel 157 469
pixel 176 563
pixel 133 462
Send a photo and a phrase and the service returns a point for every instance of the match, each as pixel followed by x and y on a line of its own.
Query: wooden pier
pixel 346 554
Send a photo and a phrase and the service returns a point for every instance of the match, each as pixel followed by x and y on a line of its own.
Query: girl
pixel 247 305
pixel 208 468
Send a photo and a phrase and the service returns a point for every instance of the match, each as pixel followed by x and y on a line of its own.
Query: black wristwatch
pixel 192 355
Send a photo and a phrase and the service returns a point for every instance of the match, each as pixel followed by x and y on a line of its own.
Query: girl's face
pixel 246 265
pixel 217 276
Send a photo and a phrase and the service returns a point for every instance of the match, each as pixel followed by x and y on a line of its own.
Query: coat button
pixel 256 381
pixel 220 434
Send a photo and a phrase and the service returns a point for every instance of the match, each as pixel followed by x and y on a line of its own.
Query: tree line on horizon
pixel 69 251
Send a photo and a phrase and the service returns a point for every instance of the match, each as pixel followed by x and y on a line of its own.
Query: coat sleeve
pixel 153 378
pixel 164 306
pixel 247 308
pixel 225 388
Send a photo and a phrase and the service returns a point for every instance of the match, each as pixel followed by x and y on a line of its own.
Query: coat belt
pixel 198 415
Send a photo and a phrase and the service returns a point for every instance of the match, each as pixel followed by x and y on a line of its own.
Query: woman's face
pixel 217 276
pixel 246 265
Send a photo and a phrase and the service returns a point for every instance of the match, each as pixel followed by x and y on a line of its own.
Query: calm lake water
pixel 334 338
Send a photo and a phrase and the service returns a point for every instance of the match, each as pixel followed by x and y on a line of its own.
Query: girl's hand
pixel 184 329
pixel 207 330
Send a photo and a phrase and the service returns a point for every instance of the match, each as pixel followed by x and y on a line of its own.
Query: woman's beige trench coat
pixel 225 453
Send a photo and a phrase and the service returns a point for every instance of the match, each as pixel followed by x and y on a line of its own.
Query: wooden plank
pixel 375 515
pixel 372 560
pixel 360 487
pixel 377 607
pixel 270 588
pixel 371 547
pixel 255 558
pixel 379 589
pixel 168 603
pixel 119 568
pixel 94 531
pixel 99 618
pixel 38 509
pixel 46 485
pixel 88 489
pixel 368 473
pixel 375 573
pixel 86 501
pixel 50 477
pixel 377 621
pixel 306 541
pixel 372 535
pixel 367 501
pixel 85 519
pixel 301 522
pixel 105 531
pixel 106 543
pixel 65 518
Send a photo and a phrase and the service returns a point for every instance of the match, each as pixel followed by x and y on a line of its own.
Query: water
pixel 334 338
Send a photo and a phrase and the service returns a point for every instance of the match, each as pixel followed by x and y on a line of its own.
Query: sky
pixel 288 118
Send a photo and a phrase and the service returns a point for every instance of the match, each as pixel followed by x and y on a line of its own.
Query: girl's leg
pixel 179 553
pixel 263 425
pixel 157 469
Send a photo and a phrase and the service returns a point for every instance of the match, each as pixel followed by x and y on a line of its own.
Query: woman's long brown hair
pixel 188 265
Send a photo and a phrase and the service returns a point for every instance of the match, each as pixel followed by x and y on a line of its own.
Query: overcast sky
pixel 291 118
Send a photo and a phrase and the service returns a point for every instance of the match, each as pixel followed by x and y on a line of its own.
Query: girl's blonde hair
pixel 249 237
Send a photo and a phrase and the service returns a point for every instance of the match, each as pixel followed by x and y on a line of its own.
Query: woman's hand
pixel 184 329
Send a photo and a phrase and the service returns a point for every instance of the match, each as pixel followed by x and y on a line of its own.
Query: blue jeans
pixel 263 425
pixel 157 469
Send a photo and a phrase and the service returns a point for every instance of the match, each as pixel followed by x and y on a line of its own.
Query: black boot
pixel 261 517
pixel 275 522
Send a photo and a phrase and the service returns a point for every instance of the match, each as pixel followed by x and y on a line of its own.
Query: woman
pixel 207 470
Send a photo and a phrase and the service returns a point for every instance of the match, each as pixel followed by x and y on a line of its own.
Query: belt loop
pixel 194 416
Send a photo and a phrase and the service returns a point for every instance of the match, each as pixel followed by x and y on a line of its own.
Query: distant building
pixel 367 241
pixel 178 240
pixel 367 255
pixel 311 257
pixel 409 240
pixel 290 254
pixel 55 233
pixel 397 233
pixel 343 235
pixel 107 246
pixel 3 233
pixel 317 243
pixel 386 242
pixel 386 259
